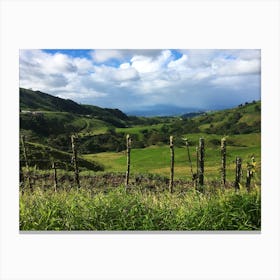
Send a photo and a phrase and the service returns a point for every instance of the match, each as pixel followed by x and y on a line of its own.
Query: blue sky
pixel 135 79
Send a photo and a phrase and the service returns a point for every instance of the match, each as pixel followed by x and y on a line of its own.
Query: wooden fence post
pixel 248 179
pixel 249 175
pixel 196 179
pixel 26 162
pixel 54 175
pixel 128 148
pixel 171 181
pixel 189 157
pixel 238 163
pixel 201 162
pixel 223 157
pixel 250 172
pixel 75 161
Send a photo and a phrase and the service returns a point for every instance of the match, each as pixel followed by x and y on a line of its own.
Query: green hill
pixel 42 120
pixel 246 118
pixel 42 156
pixel 36 102
pixel 39 101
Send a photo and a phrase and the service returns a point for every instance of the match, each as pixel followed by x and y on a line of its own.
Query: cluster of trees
pixel 234 128
pixel 46 126
pixel 233 125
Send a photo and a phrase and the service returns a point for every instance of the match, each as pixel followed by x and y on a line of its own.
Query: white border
pixel 153 24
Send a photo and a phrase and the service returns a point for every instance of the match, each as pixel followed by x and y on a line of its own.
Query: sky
pixel 135 79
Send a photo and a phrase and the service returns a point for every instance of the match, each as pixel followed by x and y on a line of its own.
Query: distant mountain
pixel 162 110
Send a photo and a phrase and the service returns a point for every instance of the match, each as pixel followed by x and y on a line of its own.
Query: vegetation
pixel 103 130
pixel 156 159
pixel 103 202
pixel 42 157
pixel 140 210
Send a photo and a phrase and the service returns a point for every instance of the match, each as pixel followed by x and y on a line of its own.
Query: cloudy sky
pixel 134 79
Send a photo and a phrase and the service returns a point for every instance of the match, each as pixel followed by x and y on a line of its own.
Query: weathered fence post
pixel 128 148
pixel 250 172
pixel 75 161
pixel 201 162
pixel 26 162
pixel 196 179
pixel 54 175
pixel 238 163
pixel 223 157
pixel 171 181
pixel 248 179
pixel 189 156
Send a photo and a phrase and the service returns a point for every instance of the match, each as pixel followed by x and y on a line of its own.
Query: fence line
pixel 198 177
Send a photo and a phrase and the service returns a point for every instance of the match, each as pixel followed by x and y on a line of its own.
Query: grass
pixel 156 159
pixel 93 127
pixel 137 210
pixel 104 204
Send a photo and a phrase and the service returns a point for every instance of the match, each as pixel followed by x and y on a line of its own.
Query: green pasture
pixel 156 159
pixel 93 127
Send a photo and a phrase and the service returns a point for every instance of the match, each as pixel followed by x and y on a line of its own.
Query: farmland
pixel 102 201
pixel 155 159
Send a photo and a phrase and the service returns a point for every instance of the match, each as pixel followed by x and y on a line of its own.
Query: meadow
pixel 156 159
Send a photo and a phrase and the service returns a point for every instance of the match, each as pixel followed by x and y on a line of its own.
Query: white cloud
pixel 244 54
pixel 200 58
pixel 239 67
pixel 202 75
pixel 179 64
pixel 83 65
pixel 146 64
pixel 79 95
pixel 232 81
pixel 140 77
pixel 125 74
pixel 104 55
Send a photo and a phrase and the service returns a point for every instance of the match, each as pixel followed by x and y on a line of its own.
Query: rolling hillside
pixel 48 122
pixel 39 102
pixel 42 156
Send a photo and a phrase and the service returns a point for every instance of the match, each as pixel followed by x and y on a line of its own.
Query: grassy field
pixel 156 159
pixel 119 209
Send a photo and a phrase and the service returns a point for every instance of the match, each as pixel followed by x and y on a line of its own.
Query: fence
pixel 197 178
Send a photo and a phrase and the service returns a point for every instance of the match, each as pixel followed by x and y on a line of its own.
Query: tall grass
pixel 138 209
